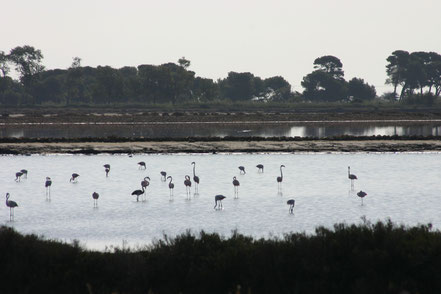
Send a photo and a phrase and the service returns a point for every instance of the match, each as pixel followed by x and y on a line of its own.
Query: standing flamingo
pixel 218 200
pixel 144 184
pixel 171 186
pixel 195 179
pixel 163 176
pixel 18 176
pixel 11 204
pixel 280 179
pixel 142 165
pixel 260 168
pixel 236 185
pixel 187 184
pixel 242 170
pixel 291 203
pixel 74 177
pixel 95 197
pixel 361 194
pixel 107 169
pixel 138 193
pixel 48 185
pixel 352 177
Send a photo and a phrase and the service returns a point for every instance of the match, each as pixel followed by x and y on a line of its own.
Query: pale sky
pixel 266 38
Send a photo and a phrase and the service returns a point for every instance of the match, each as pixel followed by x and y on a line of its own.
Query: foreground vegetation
pixel 366 258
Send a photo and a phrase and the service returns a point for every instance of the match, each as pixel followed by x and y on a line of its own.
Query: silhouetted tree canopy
pixel 416 74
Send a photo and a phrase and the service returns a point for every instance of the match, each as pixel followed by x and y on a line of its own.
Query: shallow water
pixel 404 187
pixel 258 129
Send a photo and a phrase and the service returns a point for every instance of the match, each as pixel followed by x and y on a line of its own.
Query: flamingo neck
pixel 281 173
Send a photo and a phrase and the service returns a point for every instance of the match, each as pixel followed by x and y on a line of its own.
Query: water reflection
pixel 182 130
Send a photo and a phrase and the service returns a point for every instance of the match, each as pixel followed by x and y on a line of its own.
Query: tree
pixel 74 83
pixel 280 87
pixel 177 82
pixel 327 82
pixel 322 86
pixel 238 86
pixel 4 67
pixel 331 65
pixel 28 63
pixel 396 69
pixel 109 85
pixel 184 62
pixel 360 90
pixel 131 83
pixel 205 89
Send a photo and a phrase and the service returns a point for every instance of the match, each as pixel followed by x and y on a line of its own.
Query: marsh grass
pixel 368 258
pixel 411 104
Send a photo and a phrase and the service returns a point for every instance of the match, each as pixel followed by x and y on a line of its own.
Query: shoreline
pixel 224 146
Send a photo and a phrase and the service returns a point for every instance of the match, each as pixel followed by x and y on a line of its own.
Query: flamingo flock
pixel 187 183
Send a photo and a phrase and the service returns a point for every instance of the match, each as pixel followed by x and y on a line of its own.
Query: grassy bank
pixel 228 106
pixel 366 258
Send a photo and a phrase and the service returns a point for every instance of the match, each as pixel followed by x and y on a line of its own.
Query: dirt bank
pixel 142 115
pixel 222 146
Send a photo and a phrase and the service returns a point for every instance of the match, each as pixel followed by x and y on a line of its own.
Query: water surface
pixel 404 187
pixel 258 129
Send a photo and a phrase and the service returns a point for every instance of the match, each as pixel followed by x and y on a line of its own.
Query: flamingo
pixel 236 185
pixel 107 169
pixel 361 194
pixel 242 170
pixel 48 185
pixel 291 203
pixel 18 176
pixel 95 197
pixel 352 177
pixel 187 184
pixel 138 193
pixel 171 186
pixel 11 204
pixel 260 167
pixel 144 184
pixel 218 200
pixel 195 178
pixel 280 179
pixel 25 173
pixel 74 177
pixel 163 176
pixel 142 165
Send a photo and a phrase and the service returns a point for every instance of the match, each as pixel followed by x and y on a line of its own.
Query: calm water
pixel 182 130
pixel 404 187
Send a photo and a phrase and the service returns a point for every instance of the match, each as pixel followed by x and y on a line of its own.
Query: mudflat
pixel 221 146
pixel 213 145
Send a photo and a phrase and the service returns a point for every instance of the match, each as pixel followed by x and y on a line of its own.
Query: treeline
pixel 366 258
pixel 174 83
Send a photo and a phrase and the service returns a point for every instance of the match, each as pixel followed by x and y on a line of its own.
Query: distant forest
pixel 415 77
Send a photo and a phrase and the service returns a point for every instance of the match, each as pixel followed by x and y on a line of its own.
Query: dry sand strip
pixel 223 147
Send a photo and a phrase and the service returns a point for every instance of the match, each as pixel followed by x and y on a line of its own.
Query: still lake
pixel 403 186
pixel 215 129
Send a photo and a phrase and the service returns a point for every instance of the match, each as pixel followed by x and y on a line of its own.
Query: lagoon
pixel 221 129
pixel 404 187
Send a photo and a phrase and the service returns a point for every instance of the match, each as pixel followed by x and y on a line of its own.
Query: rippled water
pixel 259 129
pixel 404 187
